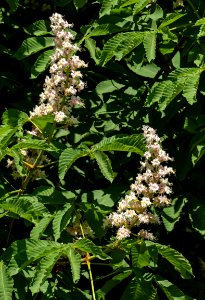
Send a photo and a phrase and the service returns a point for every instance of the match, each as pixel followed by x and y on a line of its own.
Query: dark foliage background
pixel 162 86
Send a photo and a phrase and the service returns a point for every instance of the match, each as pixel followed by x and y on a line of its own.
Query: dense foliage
pixel 58 186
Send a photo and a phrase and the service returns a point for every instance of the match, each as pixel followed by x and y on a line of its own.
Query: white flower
pixel 149 189
pixel 123 233
pixel 59 116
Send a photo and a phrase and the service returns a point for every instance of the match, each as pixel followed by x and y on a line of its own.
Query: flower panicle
pixel 151 188
pixel 65 81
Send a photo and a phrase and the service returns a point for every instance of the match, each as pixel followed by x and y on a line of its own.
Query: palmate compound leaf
pixel 67 158
pixel 62 219
pixel 6 283
pixel 180 263
pixel 44 269
pixel 86 245
pixel 171 291
pixel 75 262
pixel 33 45
pixel 133 143
pixel 104 164
pixel 21 253
pixel 120 45
pixel 184 80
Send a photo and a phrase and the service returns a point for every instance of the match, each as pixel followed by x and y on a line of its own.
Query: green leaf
pixel 18 159
pixel 32 144
pixel 113 282
pixel 33 45
pixel 180 263
pixel 26 207
pixel 197 215
pixel 130 2
pixel 40 227
pixel 14 117
pixel 191 86
pixel 171 214
pixel 41 64
pixel 120 45
pixel 23 252
pixel 6 283
pixel 133 143
pixel 171 18
pixel 170 290
pixel 75 263
pixel 149 70
pixel 79 3
pixel 86 245
pixel 108 86
pixel 103 29
pixel 67 158
pixel 62 219
pixel 139 289
pixel 44 124
pixel 150 45
pixel 95 220
pixel 183 79
pixel 38 28
pixel 6 133
pixel 44 269
pixel 104 164
pixel 106 7
pixel 90 44
pixel 200 22
pixel 140 4
pixel 140 255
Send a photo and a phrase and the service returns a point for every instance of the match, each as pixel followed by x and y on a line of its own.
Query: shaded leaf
pixel 38 28
pixel 62 219
pixel 33 45
pixel 171 214
pixel 67 158
pixel 23 252
pixel 40 227
pixel 171 18
pixel 171 291
pixel 180 263
pixel 41 64
pixel 104 164
pixel 44 269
